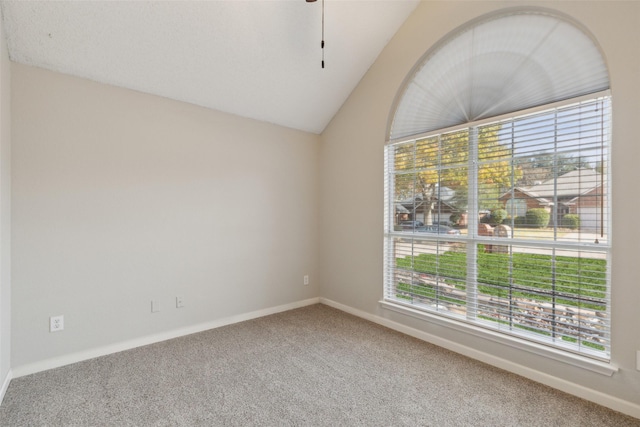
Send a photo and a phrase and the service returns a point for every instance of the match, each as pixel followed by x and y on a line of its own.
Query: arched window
pixel 499 146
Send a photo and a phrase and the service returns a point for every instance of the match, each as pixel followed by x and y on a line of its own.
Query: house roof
pixel 413 203
pixel 443 194
pixel 568 186
pixel 401 209
pixel 532 194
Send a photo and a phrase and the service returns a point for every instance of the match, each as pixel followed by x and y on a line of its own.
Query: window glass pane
pixel 404 157
pixel 536 266
pixel 542 174
pixel 451 201
pixel 430 274
pixel 560 295
pixel 430 183
pixel 428 153
pixel 454 148
pixel 407 204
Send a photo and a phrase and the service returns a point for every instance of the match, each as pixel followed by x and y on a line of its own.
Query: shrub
pixel 520 221
pixel 455 218
pixel 537 218
pixel 498 215
pixel 571 221
pixel 495 217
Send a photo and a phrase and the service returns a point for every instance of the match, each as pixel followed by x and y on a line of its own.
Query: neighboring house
pixel 578 192
pixel 415 208
pixel 402 213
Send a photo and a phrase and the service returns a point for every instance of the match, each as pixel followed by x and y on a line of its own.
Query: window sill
pixel 600 367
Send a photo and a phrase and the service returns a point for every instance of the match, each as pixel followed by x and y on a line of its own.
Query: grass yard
pixel 572 281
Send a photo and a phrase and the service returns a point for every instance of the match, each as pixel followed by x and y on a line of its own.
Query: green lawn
pixel 579 282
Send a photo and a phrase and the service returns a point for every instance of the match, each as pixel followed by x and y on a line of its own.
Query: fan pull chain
pixel 322 43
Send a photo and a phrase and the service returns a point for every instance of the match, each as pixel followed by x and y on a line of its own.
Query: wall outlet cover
pixel 56 323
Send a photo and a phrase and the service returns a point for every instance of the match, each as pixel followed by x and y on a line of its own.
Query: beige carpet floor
pixel 314 366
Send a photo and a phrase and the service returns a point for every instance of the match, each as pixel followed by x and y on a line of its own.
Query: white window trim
pixel 591 362
pixel 600 367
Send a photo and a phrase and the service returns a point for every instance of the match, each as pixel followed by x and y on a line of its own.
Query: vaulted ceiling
pixel 259 59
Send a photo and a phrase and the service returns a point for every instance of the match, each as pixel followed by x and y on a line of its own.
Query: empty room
pixel 329 212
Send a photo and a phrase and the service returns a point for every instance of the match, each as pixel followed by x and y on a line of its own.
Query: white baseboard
pixel 617 404
pixel 5 385
pixel 68 359
pixel 595 396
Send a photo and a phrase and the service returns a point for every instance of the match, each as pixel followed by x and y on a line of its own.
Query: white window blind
pixel 500 64
pixel 506 224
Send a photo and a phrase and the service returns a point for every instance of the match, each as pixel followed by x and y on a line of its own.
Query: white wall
pixel 5 213
pixel 121 197
pixel 351 165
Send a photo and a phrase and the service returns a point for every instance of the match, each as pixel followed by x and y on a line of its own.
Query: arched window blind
pixel 497 207
pixel 501 64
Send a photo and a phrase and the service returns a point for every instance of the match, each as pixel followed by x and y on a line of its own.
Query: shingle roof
pixel 532 194
pixel 571 184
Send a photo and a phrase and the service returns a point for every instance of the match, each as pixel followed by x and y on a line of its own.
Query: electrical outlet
pixel 155 306
pixel 56 323
pixel 306 279
pixel 179 302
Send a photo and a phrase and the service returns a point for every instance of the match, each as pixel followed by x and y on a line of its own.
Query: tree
pixel 426 167
pixel 601 167
pixel 543 166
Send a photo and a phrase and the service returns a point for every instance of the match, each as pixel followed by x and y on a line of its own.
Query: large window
pixel 503 222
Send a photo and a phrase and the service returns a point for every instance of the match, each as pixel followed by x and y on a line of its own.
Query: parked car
pixel 411 225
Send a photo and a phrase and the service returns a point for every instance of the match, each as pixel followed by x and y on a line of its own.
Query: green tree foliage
pixel 433 164
pixel 544 166
pixel 495 217
pixel 455 217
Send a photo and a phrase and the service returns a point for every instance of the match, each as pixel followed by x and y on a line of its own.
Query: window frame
pixel 592 361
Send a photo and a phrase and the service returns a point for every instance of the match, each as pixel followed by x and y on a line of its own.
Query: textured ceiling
pixel 257 59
